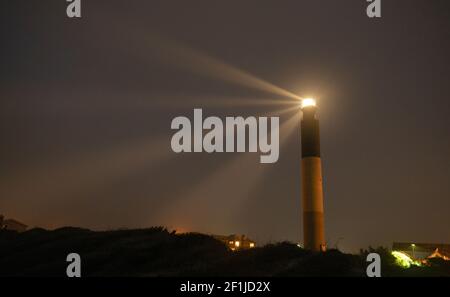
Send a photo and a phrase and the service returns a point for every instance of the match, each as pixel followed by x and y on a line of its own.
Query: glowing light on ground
pixel 403 260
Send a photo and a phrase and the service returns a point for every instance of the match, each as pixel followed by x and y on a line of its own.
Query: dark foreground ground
pixel 157 252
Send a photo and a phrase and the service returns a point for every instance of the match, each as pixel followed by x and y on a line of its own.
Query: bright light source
pixel 237 243
pixel 308 102
pixel 404 260
pixel 413 245
pixel 252 245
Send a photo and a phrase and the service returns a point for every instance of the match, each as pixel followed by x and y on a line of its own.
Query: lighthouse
pixel 311 174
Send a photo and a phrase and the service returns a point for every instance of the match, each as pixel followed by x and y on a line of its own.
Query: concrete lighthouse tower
pixel 312 193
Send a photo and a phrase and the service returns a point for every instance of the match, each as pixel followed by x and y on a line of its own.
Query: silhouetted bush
pixel 158 252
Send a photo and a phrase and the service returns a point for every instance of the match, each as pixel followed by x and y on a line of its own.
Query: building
pixel 236 242
pixel 11 224
pixel 421 251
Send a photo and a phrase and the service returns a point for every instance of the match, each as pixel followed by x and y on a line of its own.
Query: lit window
pixel 237 243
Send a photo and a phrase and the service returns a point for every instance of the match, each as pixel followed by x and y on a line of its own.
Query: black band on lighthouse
pixel 310 133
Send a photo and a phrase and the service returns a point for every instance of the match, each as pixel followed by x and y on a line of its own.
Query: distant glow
pixel 403 260
pixel 437 254
pixel 308 102
pixel 252 245
pixel 237 243
pixel 413 245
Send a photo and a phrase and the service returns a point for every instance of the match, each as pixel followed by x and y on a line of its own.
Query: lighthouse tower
pixel 311 172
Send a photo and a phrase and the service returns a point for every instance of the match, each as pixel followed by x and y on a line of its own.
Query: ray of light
pixel 202 63
pixel 139 101
pixel 289 126
pixel 185 57
pixel 283 111
pixel 219 101
pixel 77 174
pixel 218 198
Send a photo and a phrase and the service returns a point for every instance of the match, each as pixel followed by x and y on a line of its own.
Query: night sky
pixel 86 106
